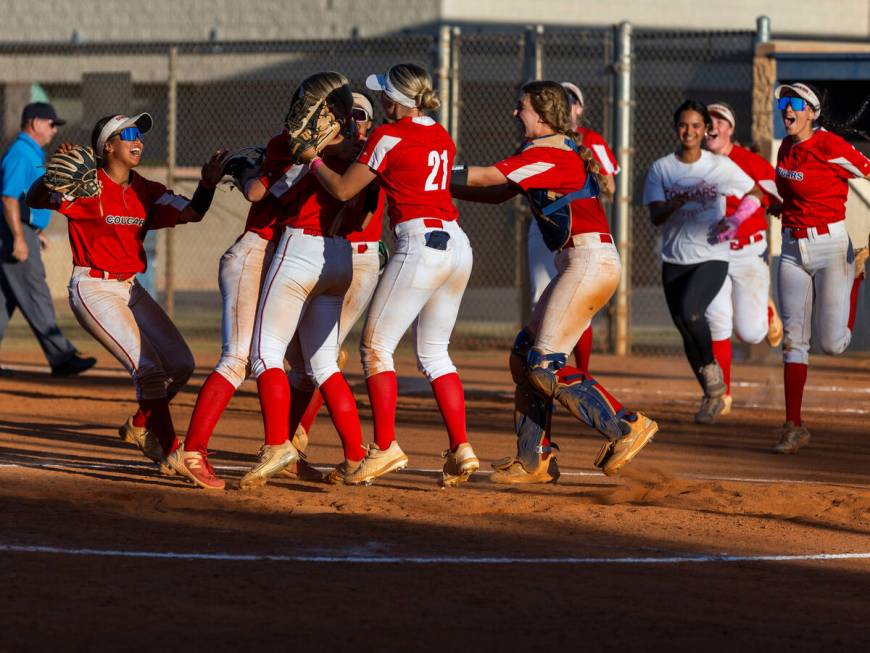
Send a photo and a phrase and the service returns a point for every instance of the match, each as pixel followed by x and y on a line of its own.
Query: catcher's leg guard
pixel 532 411
pixel 578 392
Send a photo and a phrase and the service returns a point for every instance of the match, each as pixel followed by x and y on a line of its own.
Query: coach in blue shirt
pixel 22 275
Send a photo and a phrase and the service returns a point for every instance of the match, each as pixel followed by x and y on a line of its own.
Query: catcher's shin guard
pixel 532 410
pixel 577 391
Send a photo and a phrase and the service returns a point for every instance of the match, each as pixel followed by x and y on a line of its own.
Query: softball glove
pixel 73 173
pixel 310 127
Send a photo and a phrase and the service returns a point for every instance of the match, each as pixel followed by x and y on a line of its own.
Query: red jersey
pixel 308 205
pixel 106 231
pixel 765 177
pixel 278 174
pixel 413 158
pixel 812 178
pixel 370 200
pixel 550 163
pixel 602 152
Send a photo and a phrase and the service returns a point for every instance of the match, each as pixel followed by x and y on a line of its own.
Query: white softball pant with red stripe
pixel 303 290
pixel 587 275
pixel 127 321
pixel 741 304
pixel 542 263
pixel 815 282
pixel 421 286
pixel 240 278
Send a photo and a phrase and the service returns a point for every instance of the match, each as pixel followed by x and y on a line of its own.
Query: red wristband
pixel 316 162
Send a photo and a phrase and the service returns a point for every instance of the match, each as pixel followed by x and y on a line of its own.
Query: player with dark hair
pixel 819 273
pixel 685 192
pixel 105 234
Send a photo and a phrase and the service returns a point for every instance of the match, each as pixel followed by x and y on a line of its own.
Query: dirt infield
pixel 707 541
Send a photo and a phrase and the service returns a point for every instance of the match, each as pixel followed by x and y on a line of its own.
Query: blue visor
pixel 797 103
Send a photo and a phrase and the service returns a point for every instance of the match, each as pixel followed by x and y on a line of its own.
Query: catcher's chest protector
pixel 551 210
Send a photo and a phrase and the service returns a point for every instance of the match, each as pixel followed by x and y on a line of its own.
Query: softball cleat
pixel 712 408
pixel 194 466
pixel 616 454
pixel 337 475
pixel 148 444
pixel 377 463
pixel 791 438
pixel 459 465
pixel 510 471
pixel 271 459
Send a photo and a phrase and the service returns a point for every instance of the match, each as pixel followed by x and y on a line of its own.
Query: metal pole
pixel 455 99
pixel 171 139
pixel 443 46
pixel 762 30
pixel 622 201
pixel 534 52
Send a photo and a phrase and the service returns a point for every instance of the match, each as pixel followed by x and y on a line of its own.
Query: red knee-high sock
pixel 311 411
pixel 583 349
pixel 795 377
pixel 383 391
pixel 299 401
pixel 722 354
pixel 451 402
pixel 140 418
pixel 853 302
pixel 274 391
pixel 342 409
pixel 213 398
pixel 158 420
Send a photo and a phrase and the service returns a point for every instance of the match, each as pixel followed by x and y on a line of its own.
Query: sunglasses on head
pixel 130 134
pixel 360 115
pixel 797 103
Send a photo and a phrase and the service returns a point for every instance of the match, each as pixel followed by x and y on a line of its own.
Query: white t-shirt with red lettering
pixel 812 178
pixel 413 158
pixel 686 234
pixel 106 231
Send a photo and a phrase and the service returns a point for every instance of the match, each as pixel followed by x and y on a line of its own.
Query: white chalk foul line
pixel 431 559
pixel 139 467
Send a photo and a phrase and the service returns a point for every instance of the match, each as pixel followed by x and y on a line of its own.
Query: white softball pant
pixel 240 278
pixel 421 286
pixel 741 304
pixel 542 263
pixel 815 281
pixel 303 291
pixel 586 278
pixel 127 321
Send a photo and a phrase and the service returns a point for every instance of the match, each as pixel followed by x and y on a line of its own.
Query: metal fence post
pixel 622 203
pixel 533 68
pixel 171 141
pixel 455 99
pixel 443 62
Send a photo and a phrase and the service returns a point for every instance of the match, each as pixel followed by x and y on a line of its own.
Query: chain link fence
pixel 210 95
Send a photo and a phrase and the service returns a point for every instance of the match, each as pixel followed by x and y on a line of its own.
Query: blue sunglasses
pixel 130 134
pixel 797 103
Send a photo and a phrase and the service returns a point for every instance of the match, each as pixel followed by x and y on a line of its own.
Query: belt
pixel 804 232
pixel 362 248
pixel 115 276
pixel 605 238
pixel 435 223
pixel 311 232
pixel 740 243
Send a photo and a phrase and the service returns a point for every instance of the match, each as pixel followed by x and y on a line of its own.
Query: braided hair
pixel 550 101
pixel 840 127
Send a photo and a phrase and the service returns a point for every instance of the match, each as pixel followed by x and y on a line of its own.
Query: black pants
pixel 689 289
pixel 23 286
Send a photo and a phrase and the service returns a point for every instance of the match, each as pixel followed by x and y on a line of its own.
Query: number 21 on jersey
pixel 438 163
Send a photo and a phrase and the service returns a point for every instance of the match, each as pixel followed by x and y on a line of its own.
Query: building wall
pixel 193 20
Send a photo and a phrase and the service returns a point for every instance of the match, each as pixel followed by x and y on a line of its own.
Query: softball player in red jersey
pixel 542 264
pixel 106 234
pixel 302 295
pixel 743 304
pixel 365 244
pixel 818 280
pixel 557 177
pixel 426 277
pixel 240 277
